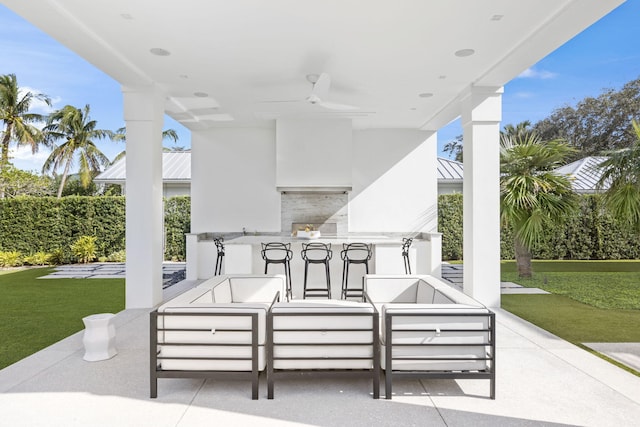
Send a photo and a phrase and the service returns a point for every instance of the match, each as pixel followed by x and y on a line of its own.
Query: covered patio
pixel 242 77
pixel 541 380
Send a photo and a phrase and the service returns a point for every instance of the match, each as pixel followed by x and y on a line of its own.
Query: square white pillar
pixel 144 116
pixel 481 115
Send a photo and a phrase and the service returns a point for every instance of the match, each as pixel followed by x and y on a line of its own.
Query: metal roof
pixel 584 174
pixel 449 169
pixel 176 167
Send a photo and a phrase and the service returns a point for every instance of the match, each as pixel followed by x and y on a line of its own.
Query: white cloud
pixel 38 106
pixel 24 159
pixel 532 73
pixel 524 95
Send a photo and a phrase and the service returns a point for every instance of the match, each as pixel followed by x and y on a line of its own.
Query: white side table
pixel 99 337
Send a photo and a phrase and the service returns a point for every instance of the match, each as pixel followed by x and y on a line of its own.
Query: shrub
pixel 450 225
pixel 48 224
pixel 590 233
pixel 10 259
pixel 38 258
pixel 177 222
pixel 119 256
pixel 56 257
pixel 84 249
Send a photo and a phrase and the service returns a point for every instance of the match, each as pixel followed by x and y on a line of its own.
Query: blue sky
pixel 606 55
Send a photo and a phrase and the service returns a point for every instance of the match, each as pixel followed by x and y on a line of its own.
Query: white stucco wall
pixel 233 180
pixel 384 166
pixel 445 187
pixel 394 181
pixel 313 152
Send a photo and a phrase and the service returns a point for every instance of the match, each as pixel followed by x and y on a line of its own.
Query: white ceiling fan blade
pixel 321 86
pixel 336 106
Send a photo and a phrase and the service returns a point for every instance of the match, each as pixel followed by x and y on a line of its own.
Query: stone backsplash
pixel 314 208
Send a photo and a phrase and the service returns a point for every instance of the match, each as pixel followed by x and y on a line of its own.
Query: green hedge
pixel 590 233
pixel 47 224
pixel 177 222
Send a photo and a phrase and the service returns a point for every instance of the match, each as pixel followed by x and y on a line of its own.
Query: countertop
pixel 334 240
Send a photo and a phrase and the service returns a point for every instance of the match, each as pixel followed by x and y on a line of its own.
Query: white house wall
pixel 394 181
pixel 233 182
pixel 173 190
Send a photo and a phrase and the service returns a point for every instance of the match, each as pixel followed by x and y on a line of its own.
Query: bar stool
pixel 220 248
pixel 278 253
pixel 317 253
pixel 354 253
pixel 406 244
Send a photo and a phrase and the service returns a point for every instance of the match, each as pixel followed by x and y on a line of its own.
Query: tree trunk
pixel 6 139
pixel 523 258
pixel 64 178
pixel 4 156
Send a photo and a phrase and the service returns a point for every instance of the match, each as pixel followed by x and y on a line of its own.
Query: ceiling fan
pixel 319 94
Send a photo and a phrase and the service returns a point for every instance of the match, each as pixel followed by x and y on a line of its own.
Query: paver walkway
pixel 453 273
pixel 172 272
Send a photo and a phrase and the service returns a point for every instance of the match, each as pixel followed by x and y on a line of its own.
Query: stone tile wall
pixel 314 208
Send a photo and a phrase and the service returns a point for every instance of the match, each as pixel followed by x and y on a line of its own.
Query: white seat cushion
pixel 325 323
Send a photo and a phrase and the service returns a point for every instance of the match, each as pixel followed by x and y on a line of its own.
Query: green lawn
pixel 574 321
pixel 37 313
pixel 590 301
pixel 602 284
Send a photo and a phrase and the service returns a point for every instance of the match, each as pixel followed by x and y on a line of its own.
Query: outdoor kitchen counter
pixel 334 240
pixel 242 256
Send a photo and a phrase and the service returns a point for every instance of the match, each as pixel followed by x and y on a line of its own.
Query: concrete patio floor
pixel 541 380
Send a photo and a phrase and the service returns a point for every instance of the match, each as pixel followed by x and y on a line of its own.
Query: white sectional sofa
pixel 217 328
pixel 432 330
pixel 323 334
pixel 237 326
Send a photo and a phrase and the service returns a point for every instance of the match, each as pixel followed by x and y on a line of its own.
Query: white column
pixel 481 115
pixel 144 116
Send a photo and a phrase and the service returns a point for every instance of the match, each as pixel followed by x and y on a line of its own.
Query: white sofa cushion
pixel 212 309
pixel 231 364
pixel 401 289
pixel 423 325
pixel 319 336
pixel 234 289
pixel 439 314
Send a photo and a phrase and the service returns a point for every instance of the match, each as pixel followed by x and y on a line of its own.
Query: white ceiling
pixel 380 54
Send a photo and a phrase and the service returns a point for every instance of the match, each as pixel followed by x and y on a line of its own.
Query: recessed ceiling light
pixel 126 16
pixel 159 51
pixel 497 17
pixel 413 108
pixel 442 77
pixel 425 95
pixel 183 76
pixel 464 52
pixel 200 94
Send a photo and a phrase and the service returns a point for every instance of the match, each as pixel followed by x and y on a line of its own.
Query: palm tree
pixel 522 129
pixel 531 193
pixel 121 135
pixel 74 126
pixel 14 113
pixel 621 171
